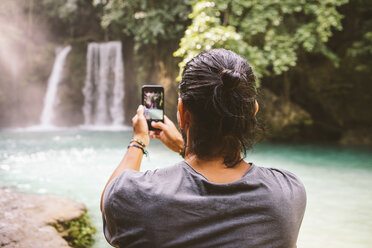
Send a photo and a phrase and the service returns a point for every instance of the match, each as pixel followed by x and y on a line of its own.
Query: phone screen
pixel 153 101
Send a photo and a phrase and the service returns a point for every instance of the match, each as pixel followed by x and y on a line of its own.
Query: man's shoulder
pixel 133 185
pixel 151 174
pixel 282 180
pixel 147 181
pixel 167 172
pixel 279 174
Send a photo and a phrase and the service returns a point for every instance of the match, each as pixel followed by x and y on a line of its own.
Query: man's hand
pixel 140 128
pixel 169 135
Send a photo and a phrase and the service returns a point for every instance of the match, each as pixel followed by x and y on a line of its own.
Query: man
pixel 213 198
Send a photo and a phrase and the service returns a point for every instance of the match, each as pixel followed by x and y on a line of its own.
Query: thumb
pixel 167 120
pixel 158 124
pixel 140 110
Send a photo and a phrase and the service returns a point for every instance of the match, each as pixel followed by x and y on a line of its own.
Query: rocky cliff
pixel 28 220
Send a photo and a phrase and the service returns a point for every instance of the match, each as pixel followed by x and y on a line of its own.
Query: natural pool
pixel 77 163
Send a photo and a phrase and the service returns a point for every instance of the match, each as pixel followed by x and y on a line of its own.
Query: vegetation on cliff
pixel 77 232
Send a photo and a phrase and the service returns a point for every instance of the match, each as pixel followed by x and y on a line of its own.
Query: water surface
pixel 78 163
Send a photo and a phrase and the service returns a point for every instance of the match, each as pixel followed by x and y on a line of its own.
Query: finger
pixel 154 136
pixel 156 132
pixel 134 119
pixel 140 110
pixel 166 119
pixel 159 125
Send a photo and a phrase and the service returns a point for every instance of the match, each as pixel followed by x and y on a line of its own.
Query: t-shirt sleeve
pixel 123 210
pixel 107 212
pixel 292 192
pixel 296 189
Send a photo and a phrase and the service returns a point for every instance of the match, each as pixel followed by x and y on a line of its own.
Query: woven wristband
pixel 138 141
pixel 139 147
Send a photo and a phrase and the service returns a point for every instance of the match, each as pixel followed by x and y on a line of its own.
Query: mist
pixel 26 57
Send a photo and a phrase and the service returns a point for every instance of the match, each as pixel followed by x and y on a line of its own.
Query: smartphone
pixel 153 101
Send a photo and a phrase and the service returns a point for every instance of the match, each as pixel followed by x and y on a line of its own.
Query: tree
pixel 70 18
pixel 269 33
pixel 148 21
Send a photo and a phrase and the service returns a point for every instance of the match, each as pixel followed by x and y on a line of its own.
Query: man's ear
pixel 256 107
pixel 184 114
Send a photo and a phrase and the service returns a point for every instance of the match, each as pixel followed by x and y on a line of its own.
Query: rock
pixel 357 136
pixel 282 119
pixel 27 220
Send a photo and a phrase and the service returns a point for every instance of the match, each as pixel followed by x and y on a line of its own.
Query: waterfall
pixel 104 86
pixel 47 115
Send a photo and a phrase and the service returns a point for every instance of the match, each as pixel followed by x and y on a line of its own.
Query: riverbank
pixel 28 220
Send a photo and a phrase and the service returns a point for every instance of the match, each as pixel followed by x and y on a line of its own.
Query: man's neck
pixel 215 170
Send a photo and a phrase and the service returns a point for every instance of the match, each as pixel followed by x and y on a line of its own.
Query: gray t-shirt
pixel 179 207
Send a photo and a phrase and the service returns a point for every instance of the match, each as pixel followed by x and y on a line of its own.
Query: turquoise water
pixel 77 164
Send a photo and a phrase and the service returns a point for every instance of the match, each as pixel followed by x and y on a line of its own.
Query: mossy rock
pixel 77 232
pixel 283 120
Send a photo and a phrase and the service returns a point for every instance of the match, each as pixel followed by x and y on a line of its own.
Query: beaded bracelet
pixel 138 141
pixel 139 147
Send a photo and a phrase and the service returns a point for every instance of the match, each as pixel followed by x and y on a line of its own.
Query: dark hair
pixel 218 89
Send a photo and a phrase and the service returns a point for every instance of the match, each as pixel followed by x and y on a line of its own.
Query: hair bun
pixel 230 78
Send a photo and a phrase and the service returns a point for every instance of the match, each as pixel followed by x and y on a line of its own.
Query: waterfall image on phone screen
pixel 153 102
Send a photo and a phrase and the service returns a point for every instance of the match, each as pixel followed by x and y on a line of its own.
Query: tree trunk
pixel 287 93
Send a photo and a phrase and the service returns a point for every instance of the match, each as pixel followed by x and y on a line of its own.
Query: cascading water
pixel 47 115
pixel 104 86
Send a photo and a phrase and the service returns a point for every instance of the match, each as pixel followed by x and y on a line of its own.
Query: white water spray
pixel 104 86
pixel 47 115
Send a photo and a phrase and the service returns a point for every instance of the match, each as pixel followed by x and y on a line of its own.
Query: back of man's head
pixel 218 89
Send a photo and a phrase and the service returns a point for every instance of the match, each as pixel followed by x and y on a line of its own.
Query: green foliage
pixel 269 33
pixel 206 32
pixel 68 18
pixel 147 20
pixel 360 52
pixel 79 232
